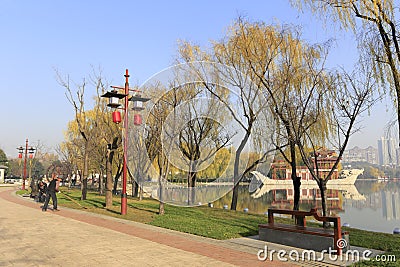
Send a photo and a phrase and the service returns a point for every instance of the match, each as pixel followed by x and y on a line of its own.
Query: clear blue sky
pixel 71 36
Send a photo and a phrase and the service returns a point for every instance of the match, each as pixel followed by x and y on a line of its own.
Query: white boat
pixel 349 190
pixel 346 177
pixel 261 184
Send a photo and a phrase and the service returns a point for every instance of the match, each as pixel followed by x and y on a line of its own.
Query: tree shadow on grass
pixel 95 203
pixel 143 209
pixel 113 211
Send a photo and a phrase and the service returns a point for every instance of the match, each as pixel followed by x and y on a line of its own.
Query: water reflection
pixel 391 205
pixel 369 205
pixel 190 196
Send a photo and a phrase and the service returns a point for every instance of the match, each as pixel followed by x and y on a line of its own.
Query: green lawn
pixel 211 222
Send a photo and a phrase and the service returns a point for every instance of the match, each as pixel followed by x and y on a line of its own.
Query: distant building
pixel 388 154
pixel 356 154
pixel 2 170
pixel 325 161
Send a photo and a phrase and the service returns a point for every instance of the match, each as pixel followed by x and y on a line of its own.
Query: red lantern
pixel 30 156
pixel 116 115
pixel 137 119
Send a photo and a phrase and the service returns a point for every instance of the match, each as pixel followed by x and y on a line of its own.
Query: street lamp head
pixel 113 102
pixel 31 150
pixel 138 102
pixel 20 151
pixel 114 98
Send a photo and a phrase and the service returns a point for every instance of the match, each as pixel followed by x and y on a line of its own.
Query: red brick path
pixel 213 251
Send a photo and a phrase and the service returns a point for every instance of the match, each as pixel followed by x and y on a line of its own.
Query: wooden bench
pixel 299 235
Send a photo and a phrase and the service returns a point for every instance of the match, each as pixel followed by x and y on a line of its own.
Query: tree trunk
pixel 84 175
pixel 192 179
pixel 116 183
pixel 235 191
pixel 392 64
pixel 140 193
pixel 101 185
pixel 135 188
pixel 161 209
pixel 296 190
pixel 192 176
pixel 235 194
pixel 322 188
pixel 109 182
pixel 296 180
pixel 236 178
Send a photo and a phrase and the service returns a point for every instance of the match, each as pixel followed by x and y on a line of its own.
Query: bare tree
pixel 198 132
pixel 351 96
pixel 87 123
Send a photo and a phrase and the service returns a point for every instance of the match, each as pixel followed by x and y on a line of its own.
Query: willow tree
pixel 350 97
pixel 279 66
pixel 377 32
pixel 282 67
pixel 292 78
pixel 245 103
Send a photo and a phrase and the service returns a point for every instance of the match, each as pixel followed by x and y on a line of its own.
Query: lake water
pixel 368 205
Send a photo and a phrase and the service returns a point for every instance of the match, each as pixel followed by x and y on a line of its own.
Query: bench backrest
pixel 299 213
pixel 301 220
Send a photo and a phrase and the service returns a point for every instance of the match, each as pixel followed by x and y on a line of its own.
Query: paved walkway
pixel 30 237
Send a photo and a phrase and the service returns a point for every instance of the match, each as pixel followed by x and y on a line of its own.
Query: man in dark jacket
pixel 52 188
pixel 42 191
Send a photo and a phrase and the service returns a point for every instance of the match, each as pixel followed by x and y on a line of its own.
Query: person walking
pixel 52 188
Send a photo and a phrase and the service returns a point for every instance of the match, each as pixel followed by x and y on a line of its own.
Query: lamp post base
pixel 124 203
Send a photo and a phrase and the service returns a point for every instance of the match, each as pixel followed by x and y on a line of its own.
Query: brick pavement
pixel 30 237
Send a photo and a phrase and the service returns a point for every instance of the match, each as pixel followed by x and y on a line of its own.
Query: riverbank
pixel 210 222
